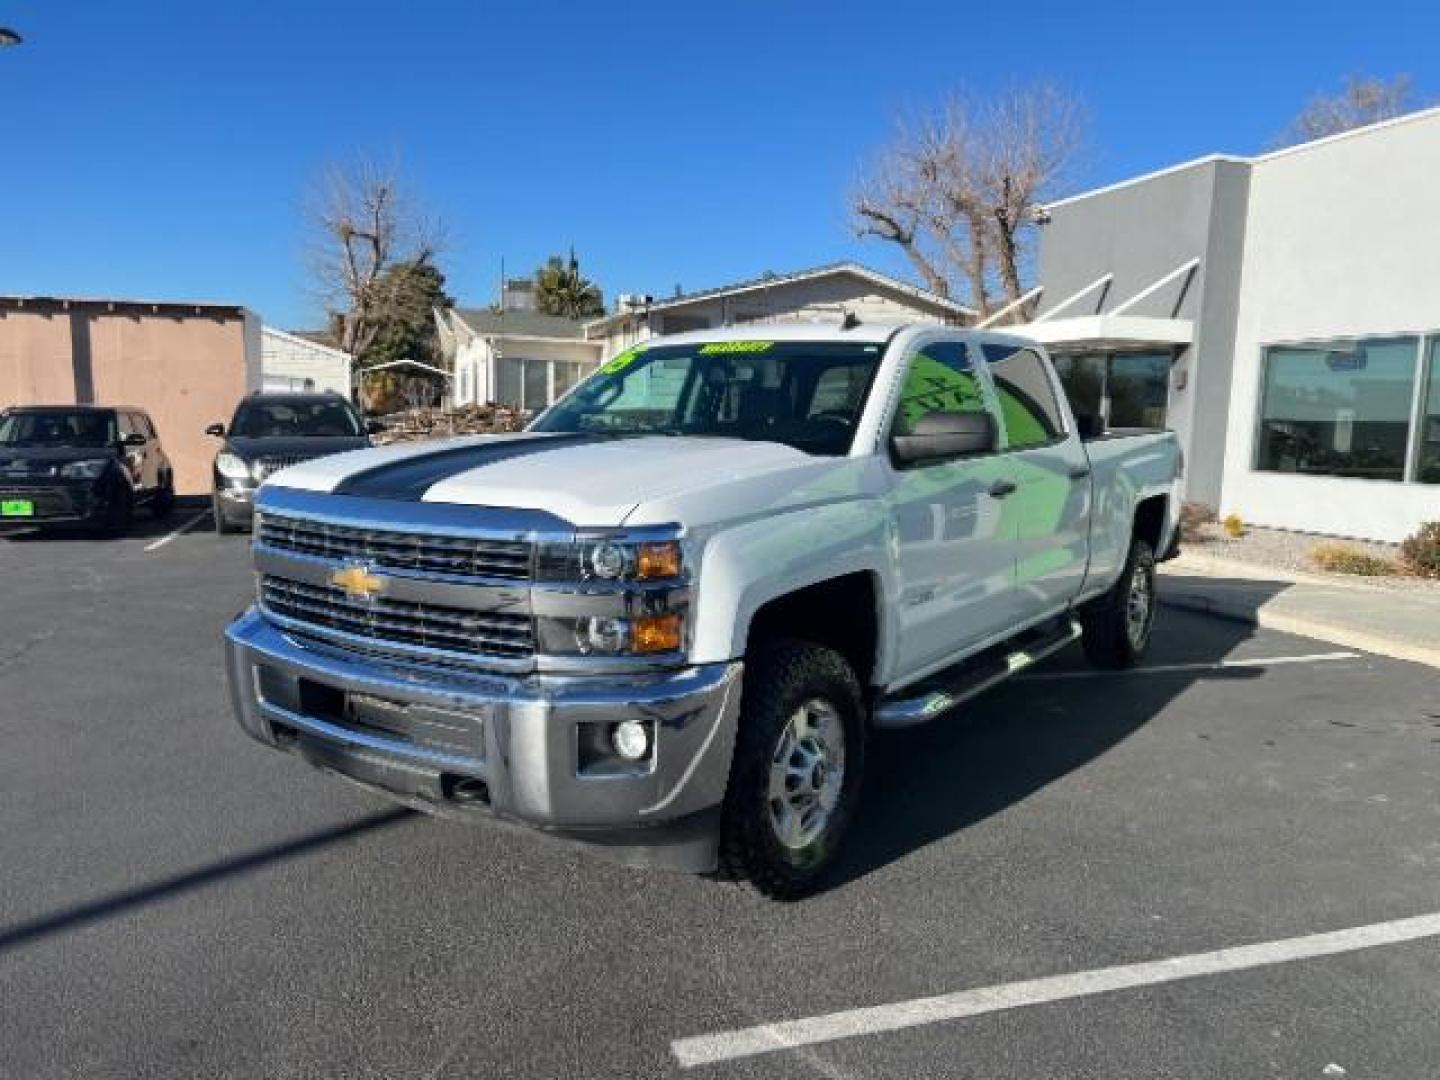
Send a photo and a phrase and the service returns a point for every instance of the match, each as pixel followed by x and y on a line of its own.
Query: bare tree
pixel 1363 100
pixel 365 224
pixel 957 189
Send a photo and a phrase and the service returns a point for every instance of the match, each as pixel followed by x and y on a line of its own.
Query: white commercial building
pixel 1281 313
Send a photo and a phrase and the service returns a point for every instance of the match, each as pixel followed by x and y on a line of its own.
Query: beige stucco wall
pixel 187 372
pixel 35 359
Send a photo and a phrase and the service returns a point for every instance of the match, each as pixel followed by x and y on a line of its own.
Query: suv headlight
pixel 628 595
pixel 232 466
pixel 88 469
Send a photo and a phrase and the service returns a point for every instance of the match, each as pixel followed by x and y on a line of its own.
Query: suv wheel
pixel 795 779
pixel 118 512
pixel 1118 625
pixel 222 525
pixel 163 501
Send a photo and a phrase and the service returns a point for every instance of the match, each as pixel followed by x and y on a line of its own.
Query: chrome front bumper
pixel 477 746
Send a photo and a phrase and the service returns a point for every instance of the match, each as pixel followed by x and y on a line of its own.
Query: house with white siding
pixel 292 362
pixel 524 359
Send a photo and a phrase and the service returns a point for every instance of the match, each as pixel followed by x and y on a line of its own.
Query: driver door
pixel 956 548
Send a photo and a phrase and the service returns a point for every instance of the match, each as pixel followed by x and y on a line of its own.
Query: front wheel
pixel 1118 625
pixel 118 512
pixel 795 779
pixel 163 502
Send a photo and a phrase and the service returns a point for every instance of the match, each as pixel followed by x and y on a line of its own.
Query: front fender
pixel 744 567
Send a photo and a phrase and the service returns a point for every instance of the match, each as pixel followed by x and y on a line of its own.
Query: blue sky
pixel 163 150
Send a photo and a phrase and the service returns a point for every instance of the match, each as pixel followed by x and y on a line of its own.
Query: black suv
pixel 81 463
pixel 270 432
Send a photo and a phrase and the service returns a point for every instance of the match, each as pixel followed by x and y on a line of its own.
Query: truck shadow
pixel 928 783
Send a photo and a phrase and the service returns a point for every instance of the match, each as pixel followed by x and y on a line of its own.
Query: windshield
pixel 83 428
pixel 291 419
pixel 808 395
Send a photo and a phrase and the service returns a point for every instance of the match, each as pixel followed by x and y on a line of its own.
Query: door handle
pixel 1079 472
pixel 1000 488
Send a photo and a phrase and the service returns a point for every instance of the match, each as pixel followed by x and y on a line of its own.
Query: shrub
pixel 1234 526
pixel 1420 553
pixel 1349 559
pixel 1194 517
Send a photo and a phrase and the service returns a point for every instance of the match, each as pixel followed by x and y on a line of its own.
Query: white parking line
pixel 1214 665
pixel 182 529
pixel 789 1034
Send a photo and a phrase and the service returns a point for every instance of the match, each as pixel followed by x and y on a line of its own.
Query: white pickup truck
pixel 666 618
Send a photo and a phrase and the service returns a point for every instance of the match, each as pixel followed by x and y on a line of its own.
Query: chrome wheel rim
pixel 807 771
pixel 1140 605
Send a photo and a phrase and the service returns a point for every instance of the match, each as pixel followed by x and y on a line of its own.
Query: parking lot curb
pixel 1293 624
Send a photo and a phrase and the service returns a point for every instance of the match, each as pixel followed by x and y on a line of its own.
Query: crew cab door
pixel 956 555
pixel 1049 510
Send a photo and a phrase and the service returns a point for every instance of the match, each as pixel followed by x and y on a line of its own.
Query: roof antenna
pixel 850 321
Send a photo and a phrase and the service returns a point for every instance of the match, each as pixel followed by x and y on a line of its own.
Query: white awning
pixel 1102 333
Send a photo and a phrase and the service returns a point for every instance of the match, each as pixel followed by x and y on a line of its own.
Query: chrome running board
pixel 939 693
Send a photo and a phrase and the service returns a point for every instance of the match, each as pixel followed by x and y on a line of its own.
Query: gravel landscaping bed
pixel 1276 549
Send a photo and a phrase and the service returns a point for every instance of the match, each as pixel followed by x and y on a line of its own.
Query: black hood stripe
pixel 412 477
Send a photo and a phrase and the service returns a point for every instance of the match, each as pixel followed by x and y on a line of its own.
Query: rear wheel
pixel 1118 625
pixel 795 778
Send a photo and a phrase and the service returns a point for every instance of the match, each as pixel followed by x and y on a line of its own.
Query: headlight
pixel 612 635
pixel 84 470
pixel 232 467
pixel 606 559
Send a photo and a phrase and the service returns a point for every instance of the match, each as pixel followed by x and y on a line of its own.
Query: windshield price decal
pixel 624 360
pixel 720 348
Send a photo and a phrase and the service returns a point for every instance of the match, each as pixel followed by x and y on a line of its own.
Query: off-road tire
pixel 780 678
pixel 1111 640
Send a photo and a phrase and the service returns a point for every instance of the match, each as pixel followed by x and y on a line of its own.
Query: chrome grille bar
pixel 458 556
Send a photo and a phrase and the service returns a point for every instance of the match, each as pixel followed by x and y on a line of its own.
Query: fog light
pixel 631 740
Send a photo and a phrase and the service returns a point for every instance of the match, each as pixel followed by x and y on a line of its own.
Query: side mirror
pixel 133 439
pixel 374 427
pixel 941 435
pixel 1089 425
pixel 218 430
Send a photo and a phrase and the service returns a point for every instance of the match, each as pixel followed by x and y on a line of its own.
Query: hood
pixel 44 460
pixel 303 447
pixel 588 480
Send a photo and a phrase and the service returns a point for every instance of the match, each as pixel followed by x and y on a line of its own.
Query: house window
pixel 537 384
pixel 1427 468
pixel 683 324
pixel 509 373
pixel 1338 408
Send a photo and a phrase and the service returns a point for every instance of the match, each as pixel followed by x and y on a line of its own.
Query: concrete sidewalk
pixel 1390 621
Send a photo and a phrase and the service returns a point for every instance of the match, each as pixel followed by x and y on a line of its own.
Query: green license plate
pixel 17 508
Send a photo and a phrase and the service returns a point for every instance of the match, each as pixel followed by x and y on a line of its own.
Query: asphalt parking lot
pixel 176 901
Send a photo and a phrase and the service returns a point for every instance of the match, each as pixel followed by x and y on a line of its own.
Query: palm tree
pixel 560 289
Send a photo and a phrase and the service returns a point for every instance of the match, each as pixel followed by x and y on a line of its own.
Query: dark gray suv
pixel 271 431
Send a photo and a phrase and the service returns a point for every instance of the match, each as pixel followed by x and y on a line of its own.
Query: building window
pixel 1427 469
pixel 1338 409
pixel 1126 390
pixel 509 373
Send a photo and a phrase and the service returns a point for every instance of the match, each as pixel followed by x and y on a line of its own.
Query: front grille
pixel 401 622
pixel 458 556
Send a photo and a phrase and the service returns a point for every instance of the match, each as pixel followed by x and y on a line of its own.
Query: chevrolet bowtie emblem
pixel 357 582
